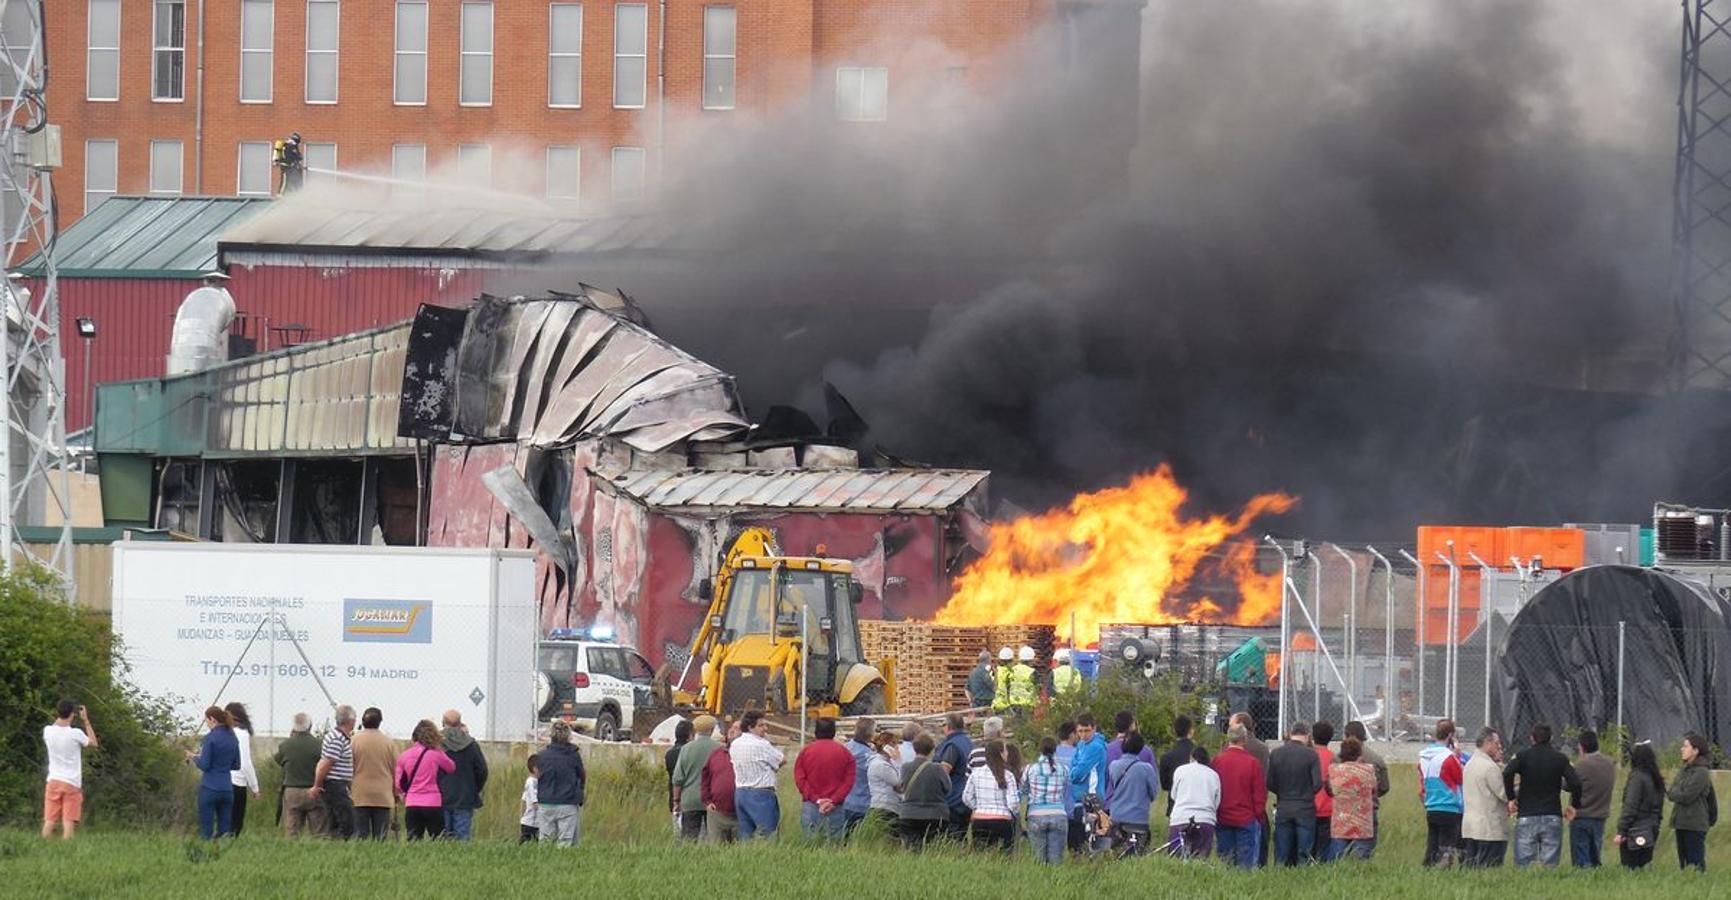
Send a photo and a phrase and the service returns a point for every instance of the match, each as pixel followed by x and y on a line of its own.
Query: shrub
pixel 49 651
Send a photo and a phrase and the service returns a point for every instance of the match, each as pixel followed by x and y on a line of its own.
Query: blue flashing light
pixel 563 634
pixel 601 633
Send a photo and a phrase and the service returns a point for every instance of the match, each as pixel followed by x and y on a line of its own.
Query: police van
pixel 602 688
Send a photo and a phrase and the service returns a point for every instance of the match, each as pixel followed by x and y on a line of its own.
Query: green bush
pixel 1155 702
pixel 50 650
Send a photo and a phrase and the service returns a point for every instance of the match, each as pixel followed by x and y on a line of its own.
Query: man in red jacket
pixel 720 826
pixel 1243 800
pixel 824 774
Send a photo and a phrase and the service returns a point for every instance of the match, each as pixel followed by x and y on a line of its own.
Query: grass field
pixel 627 851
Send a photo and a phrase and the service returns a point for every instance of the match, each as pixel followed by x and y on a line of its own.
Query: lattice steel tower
pixel 33 457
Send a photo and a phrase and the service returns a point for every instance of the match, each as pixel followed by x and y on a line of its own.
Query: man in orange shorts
pixel 63 798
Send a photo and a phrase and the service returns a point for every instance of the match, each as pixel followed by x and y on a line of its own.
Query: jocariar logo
pixel 388 621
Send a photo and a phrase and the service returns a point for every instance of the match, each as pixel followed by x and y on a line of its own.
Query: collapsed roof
pixel 548 372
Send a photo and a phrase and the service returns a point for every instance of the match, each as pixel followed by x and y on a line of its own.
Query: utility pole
pixel 1701 195
pixel 34 487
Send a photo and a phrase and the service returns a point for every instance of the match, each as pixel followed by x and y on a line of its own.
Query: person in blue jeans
pixel 1243 800
pixel 755 764
pixel 1534 781
pixel 217 756
pixel 1294 777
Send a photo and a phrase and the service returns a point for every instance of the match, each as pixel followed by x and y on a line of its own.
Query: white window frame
pixel 307 157
pixel 709 55
pixel 562 54
pixel 335 53
pixel 463 166
pixel 841 72
pixel 397 147
pixel 617 56
pixel 269 168
pixel 157 48
pixel 113 173
pixel 268 51
pixel 179 168
pixel 397 50
pixel 91 50
pixel 548 164
pixel 613 173
pixel 465 56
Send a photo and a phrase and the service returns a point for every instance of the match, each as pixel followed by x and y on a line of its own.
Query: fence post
pixel 1351 620
pixel 1490 619
pixel 1316 632
pixel 1419 632
pixel 1285 630
pixel 1451 633
pixel 1388 688
pixel 1621 735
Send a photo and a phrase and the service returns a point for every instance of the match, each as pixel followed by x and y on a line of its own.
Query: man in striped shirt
pixel 332 777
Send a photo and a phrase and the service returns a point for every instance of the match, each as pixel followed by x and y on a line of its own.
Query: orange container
pixel 1433 619
pixel 1557 548
pixel 1480 539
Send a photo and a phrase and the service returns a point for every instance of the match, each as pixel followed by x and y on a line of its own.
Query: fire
pixel 1123 554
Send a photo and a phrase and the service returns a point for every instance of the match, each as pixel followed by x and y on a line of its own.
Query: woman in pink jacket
pixel 418 771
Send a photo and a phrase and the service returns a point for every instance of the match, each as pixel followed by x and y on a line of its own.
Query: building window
pixel 101 163
pixel 411 68
pixel 323 26
pixel 257 32
pixel 409 162
pixel 253 175
pixel 168 64
pixel 475 75
pixel 475 164
pixel 719 32
pixel 628 170
pixel 102 65
pixel 565 55
pixel 862 94
pixel 564 173
pixel 630 55
pixel 319 156
pixel 165 167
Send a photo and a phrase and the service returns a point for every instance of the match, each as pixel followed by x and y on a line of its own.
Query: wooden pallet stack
pixel 933 661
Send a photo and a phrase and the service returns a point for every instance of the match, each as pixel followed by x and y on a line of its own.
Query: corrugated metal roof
pixel 862 490
pixel 148 237
pixel 481 232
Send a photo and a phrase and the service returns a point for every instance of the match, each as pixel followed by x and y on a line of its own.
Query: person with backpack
pixel 418 782
pixel 1643 808
pixel 1694 808
pixel 1133 784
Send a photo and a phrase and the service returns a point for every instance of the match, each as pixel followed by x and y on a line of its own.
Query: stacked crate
pixel 932 662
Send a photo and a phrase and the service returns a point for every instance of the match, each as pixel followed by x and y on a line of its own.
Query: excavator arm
pixel 752 541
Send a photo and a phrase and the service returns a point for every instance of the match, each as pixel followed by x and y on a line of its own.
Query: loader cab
pixel 768 596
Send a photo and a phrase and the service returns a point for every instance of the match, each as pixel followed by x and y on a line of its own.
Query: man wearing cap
pixel 1065 678
pixel 1023 690
pixel 1001 690
pixel 982 685
pixel 688 778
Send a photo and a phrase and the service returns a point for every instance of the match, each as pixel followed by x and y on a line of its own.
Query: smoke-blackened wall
pixel 1369 253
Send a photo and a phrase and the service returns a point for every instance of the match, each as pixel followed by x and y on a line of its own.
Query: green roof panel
pixel 148 237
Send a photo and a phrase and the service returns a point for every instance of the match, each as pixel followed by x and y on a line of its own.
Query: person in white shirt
pixel 755 763
pixel 63 797
pixel 245 778
pixel 1195 800
pixel 530 822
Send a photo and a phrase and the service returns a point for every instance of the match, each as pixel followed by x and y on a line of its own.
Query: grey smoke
pixel 1369 253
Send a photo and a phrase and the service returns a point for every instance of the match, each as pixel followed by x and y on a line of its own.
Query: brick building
pixel 185 96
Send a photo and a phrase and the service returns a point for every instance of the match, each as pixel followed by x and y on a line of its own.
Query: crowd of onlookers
pixel 1305 800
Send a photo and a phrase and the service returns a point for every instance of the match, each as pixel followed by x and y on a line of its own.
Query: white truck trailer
pixel 287 628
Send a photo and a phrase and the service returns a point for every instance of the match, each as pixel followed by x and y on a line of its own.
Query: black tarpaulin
pixel 1559 661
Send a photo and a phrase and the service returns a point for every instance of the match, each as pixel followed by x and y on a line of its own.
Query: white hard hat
pixel 1027 654
pixel 1006 655
pixel 1063 655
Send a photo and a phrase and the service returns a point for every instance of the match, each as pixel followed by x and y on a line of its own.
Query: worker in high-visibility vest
pixel 1065 678
pixel 1006 666
pixel 1023 690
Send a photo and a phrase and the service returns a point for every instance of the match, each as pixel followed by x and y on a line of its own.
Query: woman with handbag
pixel 1643 808
pixel 418 771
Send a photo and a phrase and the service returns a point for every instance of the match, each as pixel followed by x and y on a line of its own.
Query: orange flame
pixel 1123 554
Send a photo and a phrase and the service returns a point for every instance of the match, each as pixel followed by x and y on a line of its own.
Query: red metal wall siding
pixel 336 301
pixel 134 317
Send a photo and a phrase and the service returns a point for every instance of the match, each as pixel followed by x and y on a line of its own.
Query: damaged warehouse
pixel 559 423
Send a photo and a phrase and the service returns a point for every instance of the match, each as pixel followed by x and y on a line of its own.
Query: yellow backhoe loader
pixel 749 644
